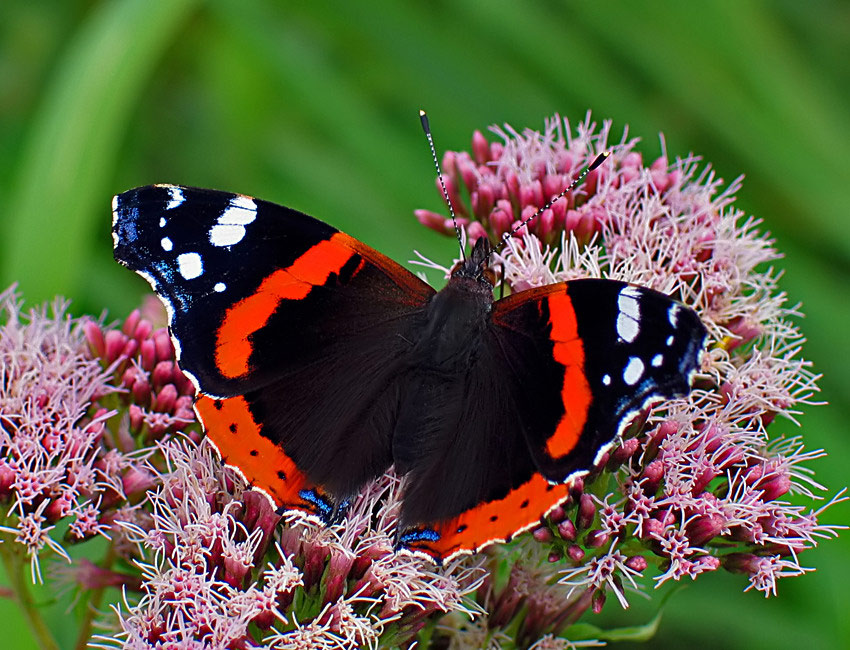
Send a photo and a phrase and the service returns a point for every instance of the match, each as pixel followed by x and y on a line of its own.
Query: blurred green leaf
pixel 71 147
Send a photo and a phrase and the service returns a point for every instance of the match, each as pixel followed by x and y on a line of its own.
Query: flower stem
pixel 94 600
pixel 13 563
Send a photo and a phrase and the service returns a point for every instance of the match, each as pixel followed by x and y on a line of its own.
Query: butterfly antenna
pixel 596 162
pixel 427 128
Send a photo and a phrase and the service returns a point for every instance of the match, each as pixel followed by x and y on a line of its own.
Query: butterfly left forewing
pixel 291 330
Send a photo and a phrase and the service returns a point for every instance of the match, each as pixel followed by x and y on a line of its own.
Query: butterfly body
pixel 320 363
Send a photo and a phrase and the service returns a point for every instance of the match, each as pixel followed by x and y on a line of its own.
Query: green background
pixel 314 104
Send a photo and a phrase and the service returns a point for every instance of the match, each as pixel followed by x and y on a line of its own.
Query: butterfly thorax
pixel 458 315
pixel 456 318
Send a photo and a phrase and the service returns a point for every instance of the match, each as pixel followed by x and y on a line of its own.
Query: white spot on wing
pixel 230 225
pixel 628 320
pixel 219 287
pixel 627 328
pixel 606 379
pixel 226 235
pixel 630 292
pixel 245 203
pixel 176 198
pixel 166 244
pixel 241 211
pixel 633 371
pixel 673 314
pixel 162 222
pixel 190 265
pixel 670 341
pixel 657 360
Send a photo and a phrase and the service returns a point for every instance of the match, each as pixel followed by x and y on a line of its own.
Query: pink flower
pixel 52 429
pixel 211 568
pixel 70 461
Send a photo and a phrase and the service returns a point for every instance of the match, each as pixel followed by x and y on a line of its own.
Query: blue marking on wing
pixel 419 535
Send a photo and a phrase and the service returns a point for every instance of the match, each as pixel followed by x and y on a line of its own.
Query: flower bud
pixel 337 575
pixel 597 538
pixel 131 321
pixel 598 601
pixel 475 231
pixel 704 528
pixel 143 330
pixel 114 344
pixel 431 220
pixel 651 477
pixel 480 148
pixel 586 512
pixel 94 337
pixel 567 530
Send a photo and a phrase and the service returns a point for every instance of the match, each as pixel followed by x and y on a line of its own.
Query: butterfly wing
pixel 293 332
pixel 566 366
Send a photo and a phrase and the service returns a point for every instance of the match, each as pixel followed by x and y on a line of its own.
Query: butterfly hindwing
pixel 295 321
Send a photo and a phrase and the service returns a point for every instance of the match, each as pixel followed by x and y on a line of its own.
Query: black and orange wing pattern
pixel 292 331
pixel 320 363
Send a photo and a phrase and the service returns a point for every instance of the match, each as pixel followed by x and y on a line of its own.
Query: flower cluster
pixel 60 461
pixel 216 575
pixel 508 182
pixel 696 484
pixel 158 395
pixel 80 405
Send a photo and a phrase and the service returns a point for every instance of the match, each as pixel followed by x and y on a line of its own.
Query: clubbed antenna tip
pixel 597 161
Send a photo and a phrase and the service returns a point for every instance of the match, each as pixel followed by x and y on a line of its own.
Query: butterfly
pixel 320 363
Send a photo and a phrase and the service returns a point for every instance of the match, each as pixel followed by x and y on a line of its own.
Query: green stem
pixel 14 564
pixel 94 600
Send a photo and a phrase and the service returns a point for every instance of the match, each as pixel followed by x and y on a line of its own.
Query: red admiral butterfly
pixel 320 363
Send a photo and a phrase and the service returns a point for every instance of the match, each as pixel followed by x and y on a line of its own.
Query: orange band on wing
pixel 568 350
pixel 313 268
pixel 492 521
pixel 231 427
